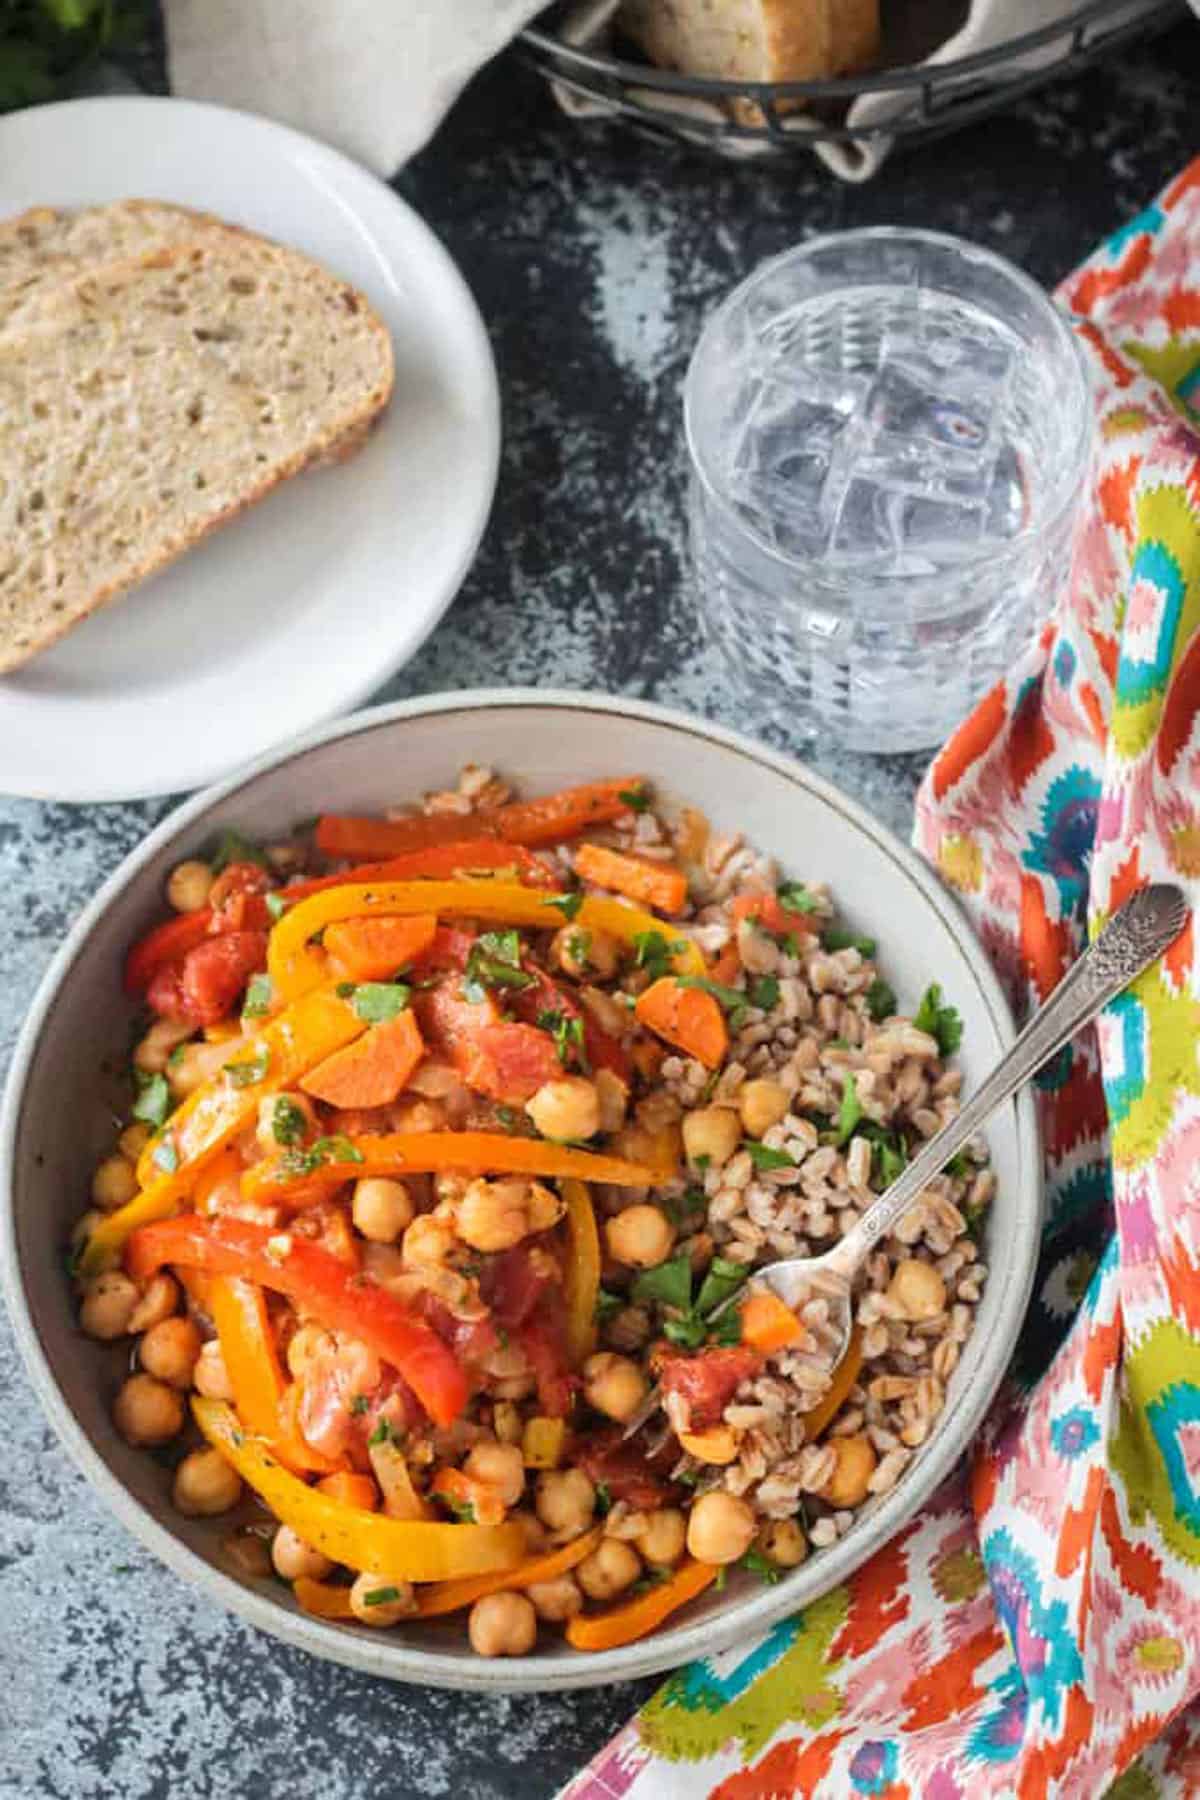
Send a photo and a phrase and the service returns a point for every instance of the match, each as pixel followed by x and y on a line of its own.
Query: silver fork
pixel 1137 934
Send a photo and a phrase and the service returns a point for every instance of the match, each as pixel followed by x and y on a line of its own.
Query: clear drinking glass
pixel 889 433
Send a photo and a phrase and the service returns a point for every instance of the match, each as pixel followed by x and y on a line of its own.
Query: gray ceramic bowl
pixel 56 1122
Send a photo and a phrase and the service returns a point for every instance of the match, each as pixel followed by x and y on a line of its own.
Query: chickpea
pixel 567 1109
pixel 381 1599
pixel 188 886
pixel 107 1308
pixel 205 1485
pixel 782 1542
pixel 494 1215
pixel 147 1411
pixel 609 1570
pixel 663 1537
pixel 713 1132
pixel 305 1343
pixel 762 1103
pixel 579 952
pixel 113 1184
pixel 163 1037
pixel 499 1467
pixel 613 1095
pixel 557 1600
pixel 918 1289
pixel 427 1242
pixel 641 1236
pixel 133 1140
pixel 382 1208
pixel 293 1558
pixel 283 1119
pixel 159 1299
pixel 210 1376
pixel 849 1483
pixel 565 1501
pixel 614 1385
pixel 502 1625
pixel 169 1351
pixel 720 1528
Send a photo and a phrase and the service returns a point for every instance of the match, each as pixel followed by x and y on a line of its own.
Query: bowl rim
pixel 564 1669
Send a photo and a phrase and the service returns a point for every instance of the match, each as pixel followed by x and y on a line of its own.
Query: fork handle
pixel 1134 937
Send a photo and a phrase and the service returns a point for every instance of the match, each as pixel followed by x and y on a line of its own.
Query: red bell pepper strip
pixel 167 943
pixel 335 1294
pixel 546 820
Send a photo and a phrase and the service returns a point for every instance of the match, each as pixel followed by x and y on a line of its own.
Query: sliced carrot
pixel 321 1600
pixel 650 883
pixel 451 1596
pixel 350 1489
pixel 474 1500
pixel 636 1618
pixel 376 949
pixel 844 1378
pixel 686 1017
pixel 373 1071
pixel 767 1324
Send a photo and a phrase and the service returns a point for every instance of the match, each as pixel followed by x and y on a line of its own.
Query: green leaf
pixel 849 1113
pixel 494 961
pixel 245 1074
pixel 794 897
pixel 722 1279
pixel 764 992
pixel 835 938
pixel 684 1207
pixel 939 1020
pixel 653 952
pixel 379 1001
pixel 383 1432
pixel 579 945
pixel 232 847
pixel 881 999
pixel 606 1305
pixel 687 1331
pixel 165 1155
pixel 288 1121
pixel 567 904
pixel 891 1159
pixel 755 1563
pixel 604 1498
pixel 153 1101
pixel 959 1165
pixel 382 1596
pixel 636 799
pixel 727 1330
pixel 260 997
pixel 568 1036
pixel 463 1510
pixel 337 1149
pixel 276 905
pixel 765 1158
pixel 670 1284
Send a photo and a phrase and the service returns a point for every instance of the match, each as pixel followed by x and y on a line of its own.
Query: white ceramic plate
pixel 301 607
pixel 542 741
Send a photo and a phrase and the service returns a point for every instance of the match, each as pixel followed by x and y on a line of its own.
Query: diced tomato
pixel 542 1337
pixel 625 1469
pixel 513 1282
pixel 472 1340
pixel 215 973
pixel 344 1393
pixel 771 914
pixel 600 1050
pixel 164 947
pixel 707 1381
pixel 507 1062
pixel 229 893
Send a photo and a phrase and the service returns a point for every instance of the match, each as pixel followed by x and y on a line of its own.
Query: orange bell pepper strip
pixel 251 1360
pixel 582 1275
pixel 546 820
pixel 439 862
pixel 452 1596
pixel 652 884
pixel 332 1291
pixel 436 1152
pixel 321 1599
pixel 767 1324
pixel 636 1618
pixel 375 949
pixel 844 1378
pixel 371 1071
pixel 294 967
pixel 312 1029
pixel 686 1017
pixel 401 1549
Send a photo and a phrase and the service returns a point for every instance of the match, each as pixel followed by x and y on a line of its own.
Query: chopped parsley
pixel 604 1498
pixel 794 897
pixel 728 1328
pixel 636 799
pixel 383 1432
pixel 324 1150
pixel 939 1020
pixel 259 997
pixel 376 1001
pixel 579 945
pixel 568 1037
pixel 764 992
pixel 679 1209
pixel 383 1596
pixel 359 1404
pixel 463 1510
pixel 153 1101
pixel 276 905
pixel 232 847
pixel 755 1563
pixel 507 1117
pixel 606 1305
pixel 881 999
pixel 165 1155
pixel 892 1160
pixel 722 1279
pixel 288 1121
pixel 834 937
pixel 731 1000
pixel 763 1157
pixel 494 962
pixel 849 1113
pixel 245 1074
pixel 653 952
pixel 959 1165
pixel 567 904
pixel 670 1284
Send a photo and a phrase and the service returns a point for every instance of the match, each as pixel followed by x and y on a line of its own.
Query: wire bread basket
pixel 909 102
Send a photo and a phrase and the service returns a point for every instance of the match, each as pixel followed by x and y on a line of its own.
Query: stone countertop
pixel 594 258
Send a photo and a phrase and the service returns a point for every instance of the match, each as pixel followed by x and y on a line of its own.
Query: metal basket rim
pixel 905 78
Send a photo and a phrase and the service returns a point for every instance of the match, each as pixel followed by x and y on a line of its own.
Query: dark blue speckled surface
pixel 594 261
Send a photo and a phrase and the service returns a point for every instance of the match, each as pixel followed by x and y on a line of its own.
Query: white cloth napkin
pixel 374 77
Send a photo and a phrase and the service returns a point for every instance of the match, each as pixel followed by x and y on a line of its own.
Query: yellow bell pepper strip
pixel 283 1178
pixel 321 1600
pixel 636 1618
pixel 402 1549
pixel 844 1378
pixel 239 1312
pixel 294 967
pixel 543 1442
pixel 320 1284
pixel 582 1275
pixel 451 1596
